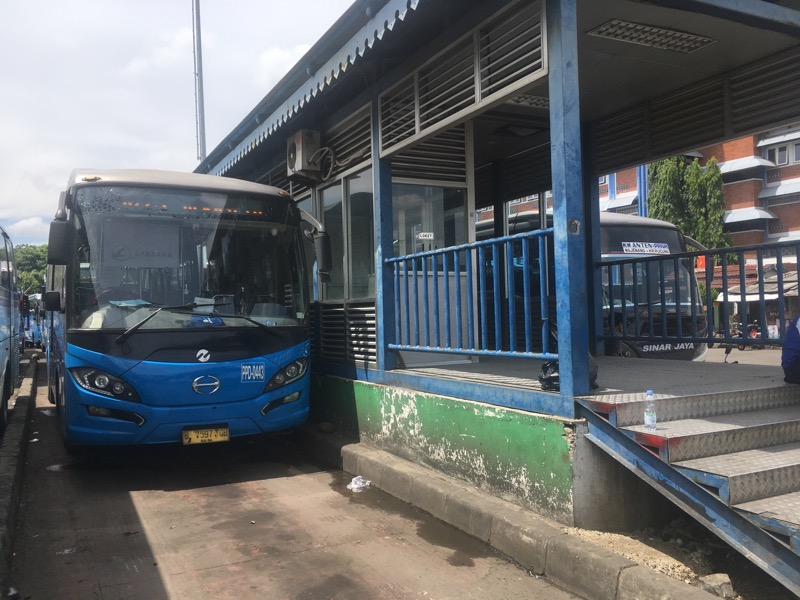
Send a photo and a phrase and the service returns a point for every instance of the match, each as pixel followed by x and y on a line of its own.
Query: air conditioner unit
pixel 300 153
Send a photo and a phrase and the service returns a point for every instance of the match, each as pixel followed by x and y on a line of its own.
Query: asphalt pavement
pixel 538 545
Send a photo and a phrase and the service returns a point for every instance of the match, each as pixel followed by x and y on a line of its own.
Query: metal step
pixel 779 515
pixel 749 475
pixel 706 405
pixel 686 439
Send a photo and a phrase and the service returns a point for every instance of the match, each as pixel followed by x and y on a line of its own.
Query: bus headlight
pixel 99 382
pixel 291 372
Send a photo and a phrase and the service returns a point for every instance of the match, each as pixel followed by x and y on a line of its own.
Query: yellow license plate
pixel 206 436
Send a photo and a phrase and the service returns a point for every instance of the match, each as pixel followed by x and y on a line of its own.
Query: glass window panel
pixel 332 219
pixel 361 248
pixel 427 218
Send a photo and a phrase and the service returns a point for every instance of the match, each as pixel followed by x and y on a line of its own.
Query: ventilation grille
pixel 620 140
pixel 351 141
pixel 447 86
pixel 526 174
pixel 507 55
pixel 749 99
pixel 766 93
pixel 441 158
pixel 278 178
pixel 398 114
pixel 345 332
pixel 687 119
pixel 511 48
pixel 649 35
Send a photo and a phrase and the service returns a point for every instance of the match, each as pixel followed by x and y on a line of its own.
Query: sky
pixel 110 84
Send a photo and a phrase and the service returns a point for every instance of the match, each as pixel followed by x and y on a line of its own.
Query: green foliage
pixel 691 197
pixel 31 265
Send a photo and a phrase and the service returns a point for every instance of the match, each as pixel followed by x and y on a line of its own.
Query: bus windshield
pixel 197 258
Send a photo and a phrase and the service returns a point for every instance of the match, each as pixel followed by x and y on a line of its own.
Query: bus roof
pixel 84 177
pixel 609 218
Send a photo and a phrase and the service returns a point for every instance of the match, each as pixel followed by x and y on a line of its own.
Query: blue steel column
pixel 567 173
pixel 642 189
pixel 384 276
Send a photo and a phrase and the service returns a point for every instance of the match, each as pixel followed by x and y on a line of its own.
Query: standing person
pixel 25 310
pixel 790 353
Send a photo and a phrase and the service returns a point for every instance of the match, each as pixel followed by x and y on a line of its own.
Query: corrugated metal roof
pixel 338 62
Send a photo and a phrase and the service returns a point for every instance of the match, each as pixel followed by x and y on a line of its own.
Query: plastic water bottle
pixel 650 411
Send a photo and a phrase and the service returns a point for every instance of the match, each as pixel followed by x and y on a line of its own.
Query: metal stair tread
pixel 778 514
pixel 721 423
pixel 746 461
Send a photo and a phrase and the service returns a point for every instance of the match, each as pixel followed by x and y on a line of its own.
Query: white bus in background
pixel 10 325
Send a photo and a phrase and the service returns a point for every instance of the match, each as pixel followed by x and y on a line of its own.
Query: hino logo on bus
pixel 205 385
pixel 203 355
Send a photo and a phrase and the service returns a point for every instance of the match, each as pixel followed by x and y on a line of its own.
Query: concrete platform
pixel 537 544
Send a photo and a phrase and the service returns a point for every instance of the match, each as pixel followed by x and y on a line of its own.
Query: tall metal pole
pixel 198 83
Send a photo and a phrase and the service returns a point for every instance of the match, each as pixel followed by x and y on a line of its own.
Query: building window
pixel 778 154
pixel 602 180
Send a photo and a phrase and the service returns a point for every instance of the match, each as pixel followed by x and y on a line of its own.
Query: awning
pixel 753 213
pixel 748 297
pixel 622 200
pixel 741 164
pixel 778 138
pixel 784 189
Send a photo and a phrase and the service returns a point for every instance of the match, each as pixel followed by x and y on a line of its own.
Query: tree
pixel 689 196
pixel 31 265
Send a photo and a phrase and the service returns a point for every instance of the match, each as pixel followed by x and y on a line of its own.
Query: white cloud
pixel 102 84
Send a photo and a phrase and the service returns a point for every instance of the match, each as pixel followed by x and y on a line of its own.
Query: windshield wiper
pixel 278 334
pixel 126 334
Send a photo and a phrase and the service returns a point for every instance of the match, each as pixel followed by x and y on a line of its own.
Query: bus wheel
pixel 625 351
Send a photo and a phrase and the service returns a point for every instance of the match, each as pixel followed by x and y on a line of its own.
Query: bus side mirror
pixel 322 248
pixel 52 301
pixel 59 245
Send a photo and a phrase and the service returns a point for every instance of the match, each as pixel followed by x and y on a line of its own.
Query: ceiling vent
pixel 648 35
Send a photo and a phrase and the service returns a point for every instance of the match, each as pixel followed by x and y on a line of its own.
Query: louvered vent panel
pixel 526 173
pixel 620 140
pixel 346 332
pixel 511 48
pixel 331 335
pixel 447 85
pixel 398 114
pixel 442 158
pixel 361 332
pixel 766 93
pixel 276 177
pixel 351 141
pixel 689 118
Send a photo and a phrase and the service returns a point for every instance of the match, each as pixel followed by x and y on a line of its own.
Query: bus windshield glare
pixel 205 259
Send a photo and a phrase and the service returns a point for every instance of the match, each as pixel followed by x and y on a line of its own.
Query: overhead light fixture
pixel 648 35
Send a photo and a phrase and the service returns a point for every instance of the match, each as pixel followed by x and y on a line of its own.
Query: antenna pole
pixel 198 83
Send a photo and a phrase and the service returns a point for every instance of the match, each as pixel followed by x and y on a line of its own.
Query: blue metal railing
pixel 487 298
pixel 744 301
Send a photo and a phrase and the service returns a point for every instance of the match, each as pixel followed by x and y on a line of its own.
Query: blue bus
pixel 178 308
pixel 10 327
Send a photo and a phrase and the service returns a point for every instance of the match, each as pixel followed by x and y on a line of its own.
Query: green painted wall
pixel 519 456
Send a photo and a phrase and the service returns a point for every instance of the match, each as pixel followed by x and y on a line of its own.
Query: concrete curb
pixel 13 449
pixel 537 544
